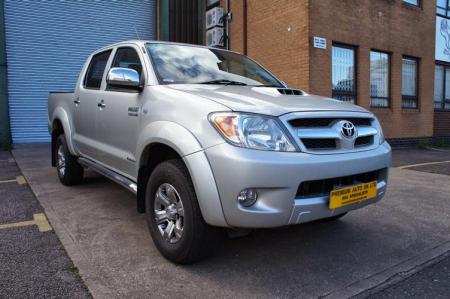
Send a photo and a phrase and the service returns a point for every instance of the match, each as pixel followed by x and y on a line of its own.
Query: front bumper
pixel 277 175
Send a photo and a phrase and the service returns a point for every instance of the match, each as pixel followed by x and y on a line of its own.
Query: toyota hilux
pixel 208 138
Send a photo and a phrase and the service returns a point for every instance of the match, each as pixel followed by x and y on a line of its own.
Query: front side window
pixel 94 75
pixel 379 79
pixel 409 82
pixel 343 73
pixel 180 64
pixel 442 87
pixel 127 58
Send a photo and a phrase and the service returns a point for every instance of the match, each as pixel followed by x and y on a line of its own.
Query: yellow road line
pixel 423 164
pixel 38 219
pixel 8 181
pixel 19 180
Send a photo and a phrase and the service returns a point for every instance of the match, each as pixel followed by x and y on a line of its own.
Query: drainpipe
pixel 5 135
pixel 227 24
pixel 245 35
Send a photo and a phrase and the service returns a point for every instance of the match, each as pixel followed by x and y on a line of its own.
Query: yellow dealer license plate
pixel 353 194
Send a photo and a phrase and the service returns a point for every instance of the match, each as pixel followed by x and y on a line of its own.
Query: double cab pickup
pixel 208 139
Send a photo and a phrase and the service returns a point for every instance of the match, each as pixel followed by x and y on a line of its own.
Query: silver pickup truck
pixel 208 138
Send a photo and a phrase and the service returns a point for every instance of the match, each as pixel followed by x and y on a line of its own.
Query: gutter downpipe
pixel 245 28
pixel 228 25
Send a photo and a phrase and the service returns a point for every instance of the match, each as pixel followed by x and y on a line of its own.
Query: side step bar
pixel 114 176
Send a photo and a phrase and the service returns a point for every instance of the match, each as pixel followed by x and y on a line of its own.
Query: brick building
pixel 390 56
pixel 379 54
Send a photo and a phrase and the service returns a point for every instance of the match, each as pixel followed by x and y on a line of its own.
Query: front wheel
pixel 69 171
pixel 174 218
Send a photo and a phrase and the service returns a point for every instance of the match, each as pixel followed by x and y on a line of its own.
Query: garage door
pixel 47 43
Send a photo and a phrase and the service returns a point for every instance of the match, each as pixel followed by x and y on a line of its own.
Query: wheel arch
pixel 167 140
pixel 152 155
pixel 60 125
pixel 57 129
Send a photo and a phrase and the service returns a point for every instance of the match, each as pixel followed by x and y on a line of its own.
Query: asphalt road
pixel 431 282
pixel 33 264
pixel 362 254
pixel 415 156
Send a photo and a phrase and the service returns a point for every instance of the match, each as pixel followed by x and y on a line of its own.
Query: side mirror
pixel 124 78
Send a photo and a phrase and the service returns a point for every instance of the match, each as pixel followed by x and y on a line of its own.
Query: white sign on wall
pixel 320 42
pixel 442 39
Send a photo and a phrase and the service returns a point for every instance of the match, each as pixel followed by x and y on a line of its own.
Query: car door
pixel 85 105
pixel 118 119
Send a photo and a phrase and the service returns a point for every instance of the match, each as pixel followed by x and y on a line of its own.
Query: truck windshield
pixel 180 64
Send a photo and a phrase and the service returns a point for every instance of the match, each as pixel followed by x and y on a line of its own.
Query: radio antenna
pixel 137 34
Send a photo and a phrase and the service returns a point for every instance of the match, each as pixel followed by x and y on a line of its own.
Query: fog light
pixel 247 197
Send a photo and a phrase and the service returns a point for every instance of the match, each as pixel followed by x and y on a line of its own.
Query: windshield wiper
pixel 268 85
pixel 223 82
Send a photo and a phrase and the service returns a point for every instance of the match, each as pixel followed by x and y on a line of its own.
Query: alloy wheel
pixel 61 161
pixel 169 213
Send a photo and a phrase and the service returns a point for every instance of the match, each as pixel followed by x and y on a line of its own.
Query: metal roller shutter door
pixel 47 43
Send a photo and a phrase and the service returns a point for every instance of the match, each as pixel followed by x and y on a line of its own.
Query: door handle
pixel 101 104
pixel 77 101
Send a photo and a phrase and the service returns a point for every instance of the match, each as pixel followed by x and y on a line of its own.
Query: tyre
pixel 174 218
pixel 69 171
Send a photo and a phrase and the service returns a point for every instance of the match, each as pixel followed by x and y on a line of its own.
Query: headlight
pixel 252 131
pixel 382 139
pixel 380 130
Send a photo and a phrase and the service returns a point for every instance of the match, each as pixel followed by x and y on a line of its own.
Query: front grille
pixel 290 92
pixel 324 187
pixel 364 141
pixel 319 143
pixel 326 122
pixel 324 135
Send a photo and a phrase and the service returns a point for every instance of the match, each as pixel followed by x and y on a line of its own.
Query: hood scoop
pixel 290 92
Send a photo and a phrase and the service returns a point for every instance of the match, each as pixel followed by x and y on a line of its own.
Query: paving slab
pixel 108 241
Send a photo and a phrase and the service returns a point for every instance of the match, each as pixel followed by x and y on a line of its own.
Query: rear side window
pixel 128 58
pixel 96 69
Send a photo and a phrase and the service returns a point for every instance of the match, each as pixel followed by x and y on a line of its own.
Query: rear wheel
pixel 174 218
pixel 69 171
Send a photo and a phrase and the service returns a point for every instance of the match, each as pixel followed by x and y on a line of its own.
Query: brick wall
pixel 385 25
pixel 238 26
pixel 442 123
pixel 277 36
pixel 280 32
